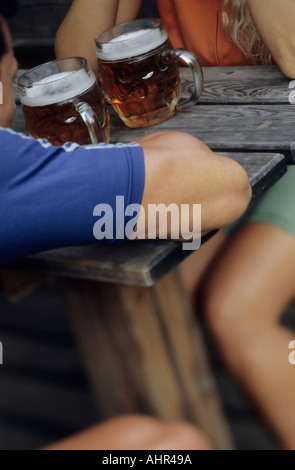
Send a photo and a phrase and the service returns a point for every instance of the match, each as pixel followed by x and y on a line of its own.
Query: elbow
pixel 287 67
pixel 233 199
pixel 239 198
pixel 289 71
pixel 242 200
pixel 284 57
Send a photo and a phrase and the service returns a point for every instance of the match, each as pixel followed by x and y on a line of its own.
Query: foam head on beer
pixel 63 86
pixel 131 44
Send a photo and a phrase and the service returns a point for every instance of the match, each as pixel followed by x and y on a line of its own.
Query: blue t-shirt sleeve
pixel 48 194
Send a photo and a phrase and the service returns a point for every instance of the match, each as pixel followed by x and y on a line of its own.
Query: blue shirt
pixel 48 194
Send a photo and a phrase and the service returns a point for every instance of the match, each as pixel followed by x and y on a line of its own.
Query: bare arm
pixel 180 169
pixel 274 21
pixel 85 20
pixel 128 10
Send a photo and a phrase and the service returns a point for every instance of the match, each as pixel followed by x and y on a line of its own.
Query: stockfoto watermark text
pixel 173 222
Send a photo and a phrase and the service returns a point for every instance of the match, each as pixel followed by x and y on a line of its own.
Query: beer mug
pixel 63 102
pixel 139 72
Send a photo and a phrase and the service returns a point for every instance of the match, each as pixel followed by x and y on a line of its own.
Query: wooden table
pixel 242 109
pixel 141 345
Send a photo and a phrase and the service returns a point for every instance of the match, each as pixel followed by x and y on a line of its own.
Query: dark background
pixel 35 26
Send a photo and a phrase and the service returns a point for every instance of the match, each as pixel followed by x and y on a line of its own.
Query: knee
pixel 227 313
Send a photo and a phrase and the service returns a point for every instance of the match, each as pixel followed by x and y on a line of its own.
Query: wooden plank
pixel 234 85
pixel 257 128
pixel 140 263
pixel 137 263
pixel 243 85
pixel 262 171
pixel 252 128
pixel 142 353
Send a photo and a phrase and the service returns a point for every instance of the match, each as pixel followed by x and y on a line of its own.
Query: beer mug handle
pixel 198 78
pixel 91 121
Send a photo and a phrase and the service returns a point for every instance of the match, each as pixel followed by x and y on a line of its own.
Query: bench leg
pixel 143 352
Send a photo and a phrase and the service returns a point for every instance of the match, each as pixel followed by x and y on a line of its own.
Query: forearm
pixel 128 10
pixel 85 20
pixel 274 21
pixel 181 170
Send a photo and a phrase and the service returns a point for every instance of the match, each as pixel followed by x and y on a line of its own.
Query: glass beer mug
pixel 139 72
pixel 63 102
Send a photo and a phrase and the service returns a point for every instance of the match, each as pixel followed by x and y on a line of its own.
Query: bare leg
pixel 245 297
pixel 194 267
pixel 136 432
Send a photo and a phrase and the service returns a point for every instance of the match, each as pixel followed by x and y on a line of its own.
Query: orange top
pixel 196 25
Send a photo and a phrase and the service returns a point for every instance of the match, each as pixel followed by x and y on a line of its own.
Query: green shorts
pixel 276 206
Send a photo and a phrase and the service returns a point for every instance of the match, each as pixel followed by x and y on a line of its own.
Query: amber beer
pixel 139 73
pixel 66 107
